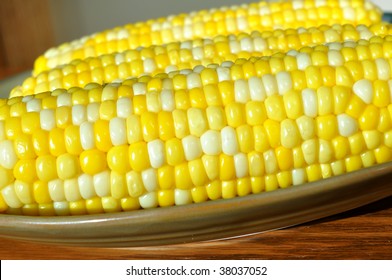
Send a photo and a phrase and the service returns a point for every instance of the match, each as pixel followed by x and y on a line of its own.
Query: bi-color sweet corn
pixel 189 54
pixel 195 135
pixel 210 23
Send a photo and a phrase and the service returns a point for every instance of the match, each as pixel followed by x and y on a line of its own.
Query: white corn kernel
pixel 256 89
pixel 101 183
pixel 10 197
pixel 156 152
pixel 364 90
pixel 182 197
pixel 241 165
pixel 347 125
pixel 309 101
pixel 8 157
pixel 150 180
pixel 211 142
pixel 241 91
pixel 86 186
pixel 71 190
pixel 118 131
pixel 299 176
pixel 167 100
pixel 79 114
pixel 229 141
pixel 47 119
pixel 93 112
pixel 124 107
pixel 192 147
pixel 86 131
pixel 33 105
pixel 284 82
pixel 148 200
pixel 56 190
pixel 270 84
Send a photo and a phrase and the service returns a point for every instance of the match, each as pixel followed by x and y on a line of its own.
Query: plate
pixel 208 220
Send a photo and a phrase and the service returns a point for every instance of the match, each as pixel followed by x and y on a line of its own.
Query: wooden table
pixel 363 233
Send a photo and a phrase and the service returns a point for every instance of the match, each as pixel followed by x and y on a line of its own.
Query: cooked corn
pixel 191 136
pixel 210 23
pixel 189 54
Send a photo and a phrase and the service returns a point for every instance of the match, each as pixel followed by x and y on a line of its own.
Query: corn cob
pixel 189 54
pixel 210 23
pixel 194 135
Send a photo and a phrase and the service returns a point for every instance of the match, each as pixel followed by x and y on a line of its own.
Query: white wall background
pixel 74 18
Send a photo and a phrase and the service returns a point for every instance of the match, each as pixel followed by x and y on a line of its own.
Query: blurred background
pixel 29 27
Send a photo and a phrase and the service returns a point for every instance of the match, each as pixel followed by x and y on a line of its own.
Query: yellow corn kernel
pixel 68 166
pixel 324 101
pixel 275 108
pixel 293 104
pixel 117 159
pixel 226 89
pixel 383 154
pixel 226 167
pixel 284 157
pixel 271 182
pixel 93 161
pixel 129 203
pixel 212 95
pixel 134 183
pixel 355 107
pixel 357 143
pixel 289 133
pixel 214 190
pixel 368 158
pixel 12 127
pixel 149 126
pixel 40 140
pixel 94 205
pixel 23 146
pixel 56 142
pixel 72 140
pixel 229 189
pixel 313 172
pixel 197 172
pixel 174 151
pixel 197 98
pixel 166 125
pixel 166 198
pixel 235 114
pixel 102 135
pixel 138 156
pixel 41 192
pixel 369 118
pixel 341 99
pixel 197 121
pixel 260 138
pixel 353 163
pixel 272 131
pixel 216 117
pixel 118 185
pixel 46 168
pixel 327 127
pixel 255 113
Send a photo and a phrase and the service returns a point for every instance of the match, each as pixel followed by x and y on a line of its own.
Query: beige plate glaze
pixel 208 220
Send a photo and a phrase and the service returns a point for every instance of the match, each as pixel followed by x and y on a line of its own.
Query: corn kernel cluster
pixel 205 117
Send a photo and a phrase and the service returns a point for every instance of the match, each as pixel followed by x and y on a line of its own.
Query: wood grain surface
pixel 363 233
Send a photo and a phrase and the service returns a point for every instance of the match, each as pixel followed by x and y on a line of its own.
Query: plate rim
pixel 211 220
